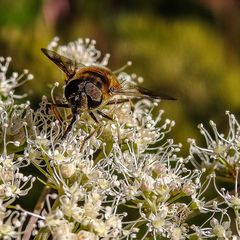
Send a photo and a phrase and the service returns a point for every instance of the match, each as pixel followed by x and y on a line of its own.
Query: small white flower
pixel 85 235
pixel 235 202
pixel 67 170
pixel 177 234
pixel 221 231
pixel 64 232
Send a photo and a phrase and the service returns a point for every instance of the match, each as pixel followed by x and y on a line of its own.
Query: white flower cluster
pixel 13 183
pixel 220 159
pixel 121 179
pixel 82 51
pixel 8 84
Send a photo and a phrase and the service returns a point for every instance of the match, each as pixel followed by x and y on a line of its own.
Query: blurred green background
pixel 187 49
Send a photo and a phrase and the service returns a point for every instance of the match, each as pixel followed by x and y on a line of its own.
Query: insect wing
pixel 140 92
pixel 64 63
pixel 148 94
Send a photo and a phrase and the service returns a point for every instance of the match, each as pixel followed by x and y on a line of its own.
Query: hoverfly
pixel 89 88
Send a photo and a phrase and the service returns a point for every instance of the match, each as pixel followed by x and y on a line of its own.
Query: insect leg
pixel 88 137
pixel 56 113
pixel 119 101
pixel 93 117
pixel 63 105
pixel 104 115
pixel 69 128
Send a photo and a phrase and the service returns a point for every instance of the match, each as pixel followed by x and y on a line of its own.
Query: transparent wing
pixel 140 92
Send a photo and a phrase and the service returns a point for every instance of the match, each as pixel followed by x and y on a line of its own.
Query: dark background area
pixel 186 49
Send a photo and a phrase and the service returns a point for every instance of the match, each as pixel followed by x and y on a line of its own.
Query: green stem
pixel 41 170
pixel 179 195
pixel 37 210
